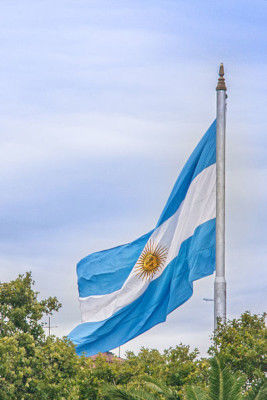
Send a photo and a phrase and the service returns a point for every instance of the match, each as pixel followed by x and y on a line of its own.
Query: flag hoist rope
pixel 220 283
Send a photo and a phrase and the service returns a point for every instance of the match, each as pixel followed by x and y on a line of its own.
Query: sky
pixel 101 104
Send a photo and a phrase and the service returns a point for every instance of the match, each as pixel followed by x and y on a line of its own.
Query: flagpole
pixel 220 283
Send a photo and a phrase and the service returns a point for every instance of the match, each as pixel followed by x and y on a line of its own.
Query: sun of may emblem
pixel 151 260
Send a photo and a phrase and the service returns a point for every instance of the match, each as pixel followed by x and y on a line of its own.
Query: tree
pixel 33 366
pixel 166 392
pixel 172 368
pixel 176 367
pixel 152 375
pixel 51 370
pixel 195 393
pixel 258 393
pixel 241 344
pixel 32 371
pixel 116 393
pixel 223 385
pixel 20 309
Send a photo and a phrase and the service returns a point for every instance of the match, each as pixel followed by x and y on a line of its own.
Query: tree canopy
pixel 36 367
pixel 241 344
pixel 20 309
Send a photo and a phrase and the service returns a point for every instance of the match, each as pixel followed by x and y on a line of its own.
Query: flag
pixel 126 290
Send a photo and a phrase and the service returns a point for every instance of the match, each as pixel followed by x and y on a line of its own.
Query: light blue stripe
pixel 202 157
pixel 195 260
pixel 105 271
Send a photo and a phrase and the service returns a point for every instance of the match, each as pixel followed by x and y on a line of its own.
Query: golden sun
pixel 151 260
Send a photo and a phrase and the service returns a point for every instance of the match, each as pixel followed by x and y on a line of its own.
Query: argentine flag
pixel 126 290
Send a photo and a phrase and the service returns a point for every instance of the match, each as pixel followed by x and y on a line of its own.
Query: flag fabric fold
pixel 127 290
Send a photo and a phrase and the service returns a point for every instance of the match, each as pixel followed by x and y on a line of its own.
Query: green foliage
pixel 117 393
pixel 195 393
pixel 153 375
pixel 176 366
pixel 241 344
pixel 172 369
pixel 258 393
pixel 51 370
pixel 34 370
pixel 20 310
pixel 161 388
pixel 223 385
pixel 33 366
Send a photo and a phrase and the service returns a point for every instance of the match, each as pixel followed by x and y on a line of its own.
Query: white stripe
pixel 198 207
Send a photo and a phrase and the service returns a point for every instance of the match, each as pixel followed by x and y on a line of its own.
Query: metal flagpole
pixel 220 283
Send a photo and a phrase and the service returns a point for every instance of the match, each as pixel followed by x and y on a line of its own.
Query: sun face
pixel 151 260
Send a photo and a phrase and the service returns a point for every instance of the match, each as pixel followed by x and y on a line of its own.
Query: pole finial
pixel 221 80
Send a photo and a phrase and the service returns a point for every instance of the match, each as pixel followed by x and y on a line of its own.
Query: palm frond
pixel 195 393
pixel 262 394
pixel 221 381
pixel 116 393
pixel 259 393
pixel 236 390
pixel 161 388
pixel 142 394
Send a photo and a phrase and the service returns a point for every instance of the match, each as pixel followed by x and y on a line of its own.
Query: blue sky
pixel 101 103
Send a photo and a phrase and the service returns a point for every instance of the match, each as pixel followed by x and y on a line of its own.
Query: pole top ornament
pixel 221 80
